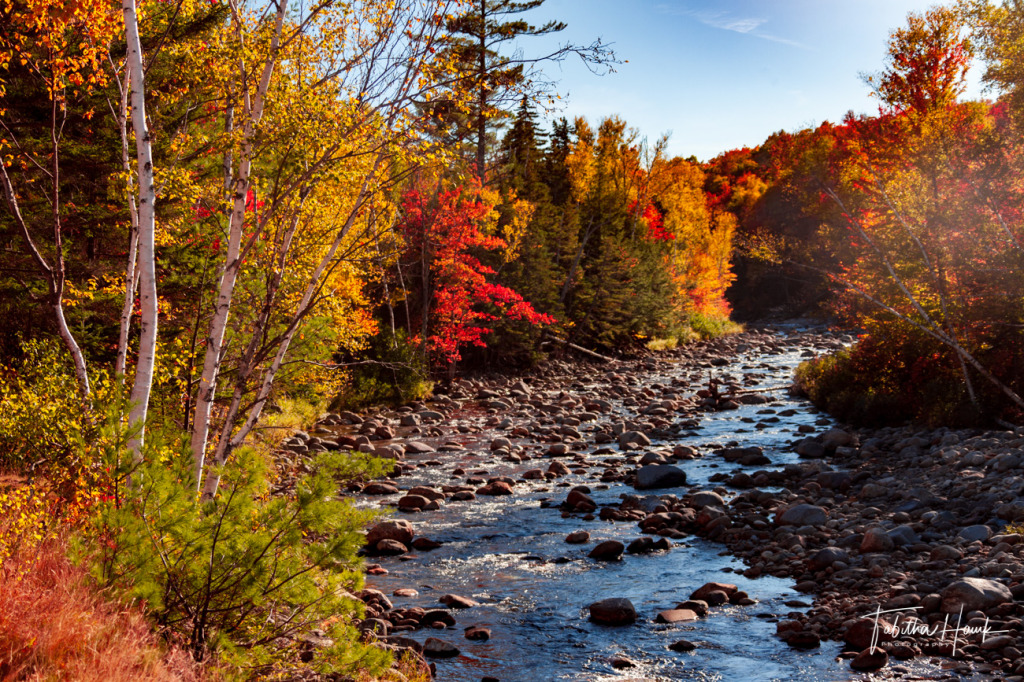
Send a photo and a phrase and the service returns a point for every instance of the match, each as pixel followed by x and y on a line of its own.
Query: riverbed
pixel 508 553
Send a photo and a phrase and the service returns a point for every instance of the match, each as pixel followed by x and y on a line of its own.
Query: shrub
pixel 891 376
pixel 243 573
pixel 392 372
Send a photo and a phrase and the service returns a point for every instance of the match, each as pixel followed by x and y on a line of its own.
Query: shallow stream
pixel 510 554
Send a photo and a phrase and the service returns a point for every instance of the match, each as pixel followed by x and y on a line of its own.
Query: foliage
pixel 234 574
pixel 442 231
pixel 891 376
pixel 391 371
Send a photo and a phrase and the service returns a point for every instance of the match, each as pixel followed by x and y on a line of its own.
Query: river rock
pixel 704 498
pixel 872 658
pixel 495 489
pixel 578 537
pixel 659 476
pixel 614 611
pixel 478 633
pixel 676 616
pixel 975 533
pixel 974 594
pixel 634 439
pixel 609 550
pixel 416 447
pixel 682 646
pixel 399 529
pixel 413 503
pixel 389 547
pixel 438 648
pixel 876 539
pixel 454 601
pixel 379 488
pixel 824 558
pixel 702 592
pixel 803 515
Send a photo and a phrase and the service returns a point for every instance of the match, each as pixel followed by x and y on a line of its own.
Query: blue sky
pixel 721 74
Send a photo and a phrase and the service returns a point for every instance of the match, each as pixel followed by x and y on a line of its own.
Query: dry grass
pixel 55 626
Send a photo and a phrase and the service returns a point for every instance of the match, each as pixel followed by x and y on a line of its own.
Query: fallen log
pixel 581 349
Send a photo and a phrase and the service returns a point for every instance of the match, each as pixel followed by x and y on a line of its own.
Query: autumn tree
pixel 456 300
pixel 59 50
pixel 926 63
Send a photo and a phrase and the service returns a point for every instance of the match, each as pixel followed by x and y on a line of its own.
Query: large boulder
pixel 659 476
pixel 614 611
pixel 399 530
pixel 974 594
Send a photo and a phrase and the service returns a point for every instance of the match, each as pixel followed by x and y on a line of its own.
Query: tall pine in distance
pixel 493 80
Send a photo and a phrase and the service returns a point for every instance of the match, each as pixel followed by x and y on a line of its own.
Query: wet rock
pixel 380 489
pixel 676 616
pixel 399 529
pixel 416 447
pixel 580 502
pixel 437 616
pixel 614 611
pixel 578 537
pixel 425 545
pixel 454 601
pixel 803 515
pixel 870 659
pixel 622 663
pixel 804 640
pixel 413 503
pixel 406 592
pixel 682 646
pixel 659 476
pixel 478 633
pixel 496 488
pixel 390 548
pixel 702 593
pixel 698 606
pixel 609 550
pixel 438 648
pixel 974 594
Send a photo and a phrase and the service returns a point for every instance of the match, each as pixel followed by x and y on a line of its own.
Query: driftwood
pixel 581 349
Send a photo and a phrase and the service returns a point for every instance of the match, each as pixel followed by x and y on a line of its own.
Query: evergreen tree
pixel 493 80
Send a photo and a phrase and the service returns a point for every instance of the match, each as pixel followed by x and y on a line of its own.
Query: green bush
pixel 392 372
pixel 243 574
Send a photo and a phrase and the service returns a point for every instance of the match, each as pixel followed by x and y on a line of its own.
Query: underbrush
pixel 893 376
pixel 698 327
pixel 54 625
pixel 235 587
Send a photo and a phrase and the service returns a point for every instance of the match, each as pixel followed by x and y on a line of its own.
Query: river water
pixel 509 554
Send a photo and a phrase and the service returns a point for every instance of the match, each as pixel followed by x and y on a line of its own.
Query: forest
pixel 222 219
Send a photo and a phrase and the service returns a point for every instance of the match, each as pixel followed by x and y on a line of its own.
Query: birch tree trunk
pixel 252 111
pixel 146 233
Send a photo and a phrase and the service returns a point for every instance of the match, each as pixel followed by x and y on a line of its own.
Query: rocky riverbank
pixel 888 519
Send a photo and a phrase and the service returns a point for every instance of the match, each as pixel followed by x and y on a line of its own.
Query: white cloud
pixel 726 21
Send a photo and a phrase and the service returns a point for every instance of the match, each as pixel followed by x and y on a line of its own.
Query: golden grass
pixel 55 626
